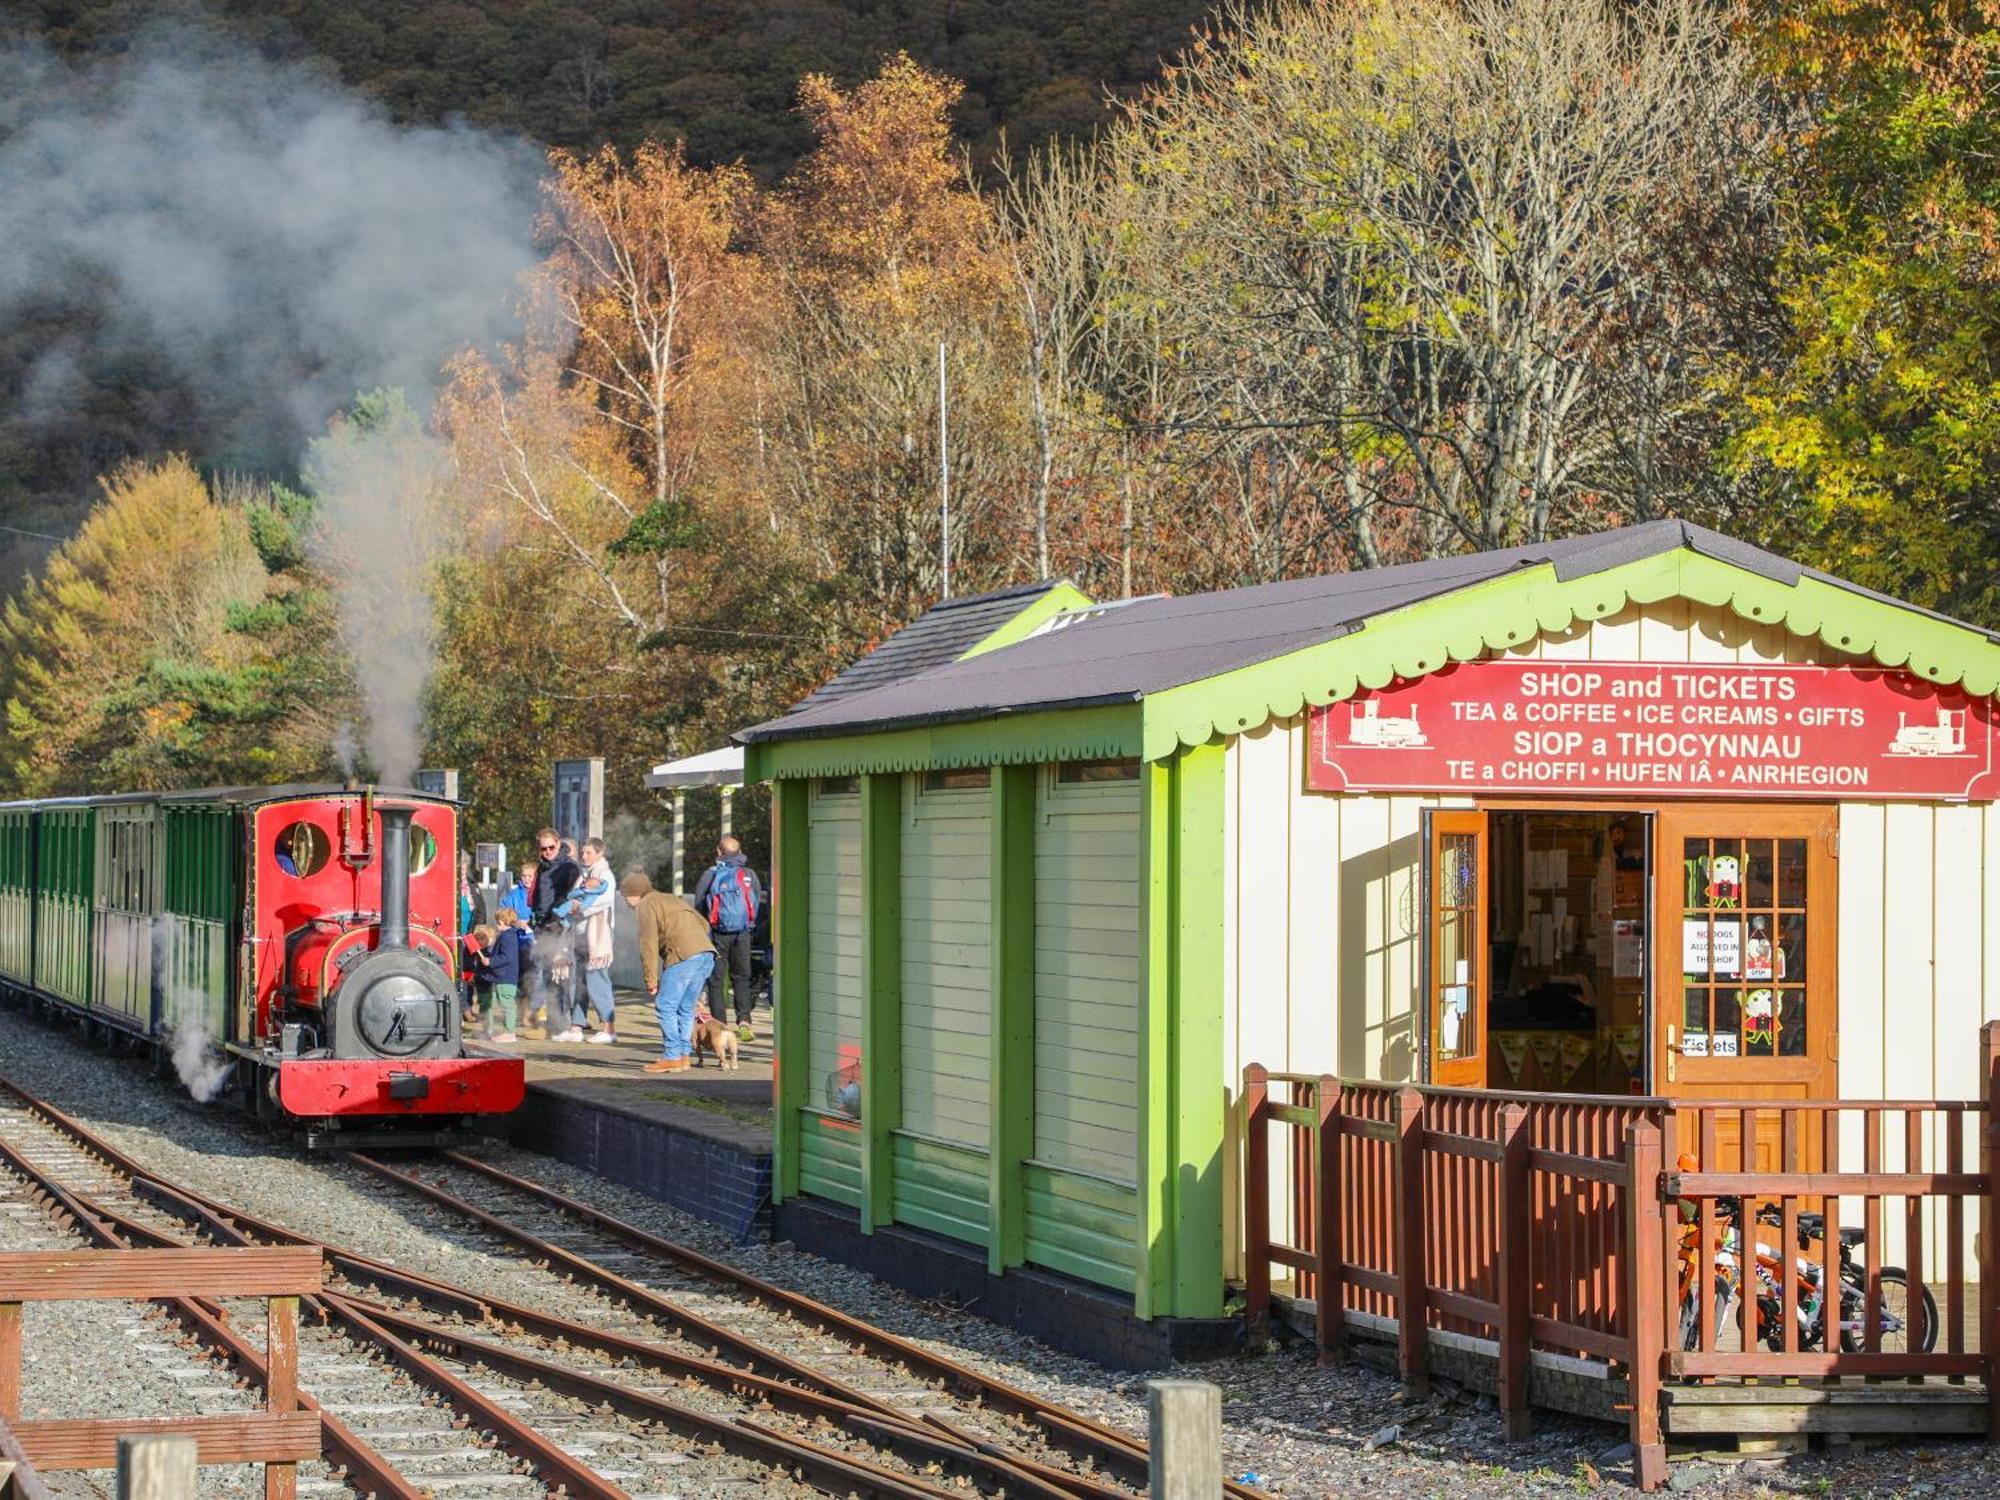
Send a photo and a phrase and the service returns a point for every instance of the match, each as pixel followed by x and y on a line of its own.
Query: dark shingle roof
pixel 1150 645
pixel 941 635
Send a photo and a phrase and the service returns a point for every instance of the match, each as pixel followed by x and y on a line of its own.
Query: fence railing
pixel 279 1436
pixel 1612 1228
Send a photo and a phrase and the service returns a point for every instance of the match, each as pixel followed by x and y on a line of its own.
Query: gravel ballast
pixel 1300 1430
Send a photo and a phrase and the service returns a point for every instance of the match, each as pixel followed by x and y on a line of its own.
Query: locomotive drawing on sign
pixel 1946 737
pixel 1368 728
pixel 310 933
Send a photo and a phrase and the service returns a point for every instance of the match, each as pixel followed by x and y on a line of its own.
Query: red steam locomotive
pixel 296 944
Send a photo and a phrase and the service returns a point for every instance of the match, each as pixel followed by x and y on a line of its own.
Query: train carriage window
pixel 302 849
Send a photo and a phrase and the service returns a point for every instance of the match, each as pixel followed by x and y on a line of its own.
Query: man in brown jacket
pixel 676 955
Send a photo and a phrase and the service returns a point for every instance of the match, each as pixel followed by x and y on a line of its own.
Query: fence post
pixel 1643 1303
pixel 1408 1178
pixel 1256 1203
pixel 10 1361
pixel 1331 1321
pixel 1516 1284
pixel 281 1385
pixel 1989 1228
pixel 1184 1432
pixel 156 1468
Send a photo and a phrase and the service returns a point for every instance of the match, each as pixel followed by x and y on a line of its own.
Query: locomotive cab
pixel 357 1019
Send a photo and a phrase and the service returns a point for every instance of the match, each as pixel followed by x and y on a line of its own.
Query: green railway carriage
pixel 17 893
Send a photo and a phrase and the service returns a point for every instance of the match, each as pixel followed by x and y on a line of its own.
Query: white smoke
pixel 283 245
pixel 191 1026
pixel 376 536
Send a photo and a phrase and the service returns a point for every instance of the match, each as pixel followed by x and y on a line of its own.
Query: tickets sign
pixel 1646 729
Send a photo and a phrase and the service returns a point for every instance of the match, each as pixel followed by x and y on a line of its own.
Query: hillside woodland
pixel 1351 282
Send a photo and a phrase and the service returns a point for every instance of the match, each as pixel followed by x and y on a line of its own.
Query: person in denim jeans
pixel 675 956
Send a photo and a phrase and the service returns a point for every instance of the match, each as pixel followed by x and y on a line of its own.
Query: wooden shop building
pixel 1649 812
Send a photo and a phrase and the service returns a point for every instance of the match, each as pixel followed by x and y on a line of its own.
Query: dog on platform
pixel 720 1040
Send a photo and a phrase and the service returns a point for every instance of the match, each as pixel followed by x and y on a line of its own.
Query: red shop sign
pixel 1659 730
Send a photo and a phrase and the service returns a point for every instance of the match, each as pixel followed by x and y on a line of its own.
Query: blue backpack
pixel 732 899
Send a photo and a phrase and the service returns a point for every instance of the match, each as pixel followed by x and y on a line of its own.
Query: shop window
pixel 301 849
pixel 1743 948
pixel 958 779
pixel 1090 772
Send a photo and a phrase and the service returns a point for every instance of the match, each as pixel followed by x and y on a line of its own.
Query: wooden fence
pixel 279 1437
pixel 1591 1226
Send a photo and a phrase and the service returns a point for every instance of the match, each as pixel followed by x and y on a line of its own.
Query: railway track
pixel 667 1370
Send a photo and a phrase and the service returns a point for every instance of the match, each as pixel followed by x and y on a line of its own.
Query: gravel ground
pixel 1301 1430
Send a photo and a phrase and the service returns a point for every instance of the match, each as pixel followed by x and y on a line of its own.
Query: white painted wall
pixel 1321 959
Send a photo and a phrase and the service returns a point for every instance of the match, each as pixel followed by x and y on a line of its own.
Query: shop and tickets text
pixel 1626 727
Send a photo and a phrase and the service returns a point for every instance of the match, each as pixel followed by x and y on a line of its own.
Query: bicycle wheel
pixel 1896 1317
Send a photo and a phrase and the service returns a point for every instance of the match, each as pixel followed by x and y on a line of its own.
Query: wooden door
pixel 1458 956
pixel 1745 900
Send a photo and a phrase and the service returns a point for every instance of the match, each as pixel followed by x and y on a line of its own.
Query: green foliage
pixel 1878 405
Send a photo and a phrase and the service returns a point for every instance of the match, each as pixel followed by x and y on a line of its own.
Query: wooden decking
pixel 1563 1240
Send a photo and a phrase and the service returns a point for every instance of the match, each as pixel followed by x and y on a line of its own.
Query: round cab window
pixel 423 849
pixel 301 849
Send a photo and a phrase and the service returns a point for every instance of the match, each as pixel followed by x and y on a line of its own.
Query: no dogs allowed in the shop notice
pixel 1658 730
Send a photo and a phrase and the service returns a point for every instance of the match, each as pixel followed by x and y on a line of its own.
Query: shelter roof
pixel 722 767
pixel 1147 649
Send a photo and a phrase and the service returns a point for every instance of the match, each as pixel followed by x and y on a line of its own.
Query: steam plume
pixel 282 245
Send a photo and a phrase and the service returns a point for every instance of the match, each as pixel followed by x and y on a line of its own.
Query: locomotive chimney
pixel 395 878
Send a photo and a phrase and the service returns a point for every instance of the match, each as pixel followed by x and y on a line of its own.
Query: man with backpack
pixel 730 896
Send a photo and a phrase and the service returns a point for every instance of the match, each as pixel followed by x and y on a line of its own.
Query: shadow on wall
pixel 1380 960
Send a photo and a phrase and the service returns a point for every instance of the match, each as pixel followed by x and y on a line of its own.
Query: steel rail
pixel 1021 1469
pixel 935 1441
pixel 1065 1427
pixel 692 1323
pixel 1002 1467
pixel 207 1322
pixel 845 1471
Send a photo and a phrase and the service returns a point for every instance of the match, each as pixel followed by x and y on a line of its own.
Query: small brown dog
pixel 718 1039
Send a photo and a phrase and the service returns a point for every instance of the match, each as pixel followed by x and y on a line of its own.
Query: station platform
pixel 699 1140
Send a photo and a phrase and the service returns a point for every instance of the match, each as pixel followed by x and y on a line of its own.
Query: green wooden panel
pixel 881 993
pixel 947 975
pixel 1012 1044
pixel 830 1158
pixel 194 975
pixel 1087 978
pixel 65 840
pixel 201 867
pixel 1081 1226
pixel 791 985
pixel 1181 1135
pixel 940 1187
pixel 833 925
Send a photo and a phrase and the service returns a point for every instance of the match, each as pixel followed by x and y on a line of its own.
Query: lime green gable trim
pixel 1181 1198
pixel 790 1000
pixel 1503 612
pixel 1061 599
pixel 881 994
pixel 1102 733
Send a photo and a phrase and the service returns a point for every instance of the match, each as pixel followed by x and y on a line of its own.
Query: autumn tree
pixel 1871 422
pixel 880 254
pixel 178 639
pixel 1397 253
